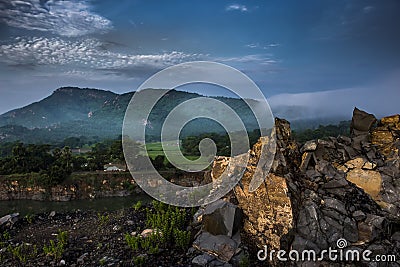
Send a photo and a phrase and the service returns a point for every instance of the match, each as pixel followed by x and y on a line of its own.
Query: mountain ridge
pixel 74 111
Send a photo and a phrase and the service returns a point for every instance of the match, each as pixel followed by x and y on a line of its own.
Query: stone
pixel 52 214
pixel 220 246
pixel 350 230
pixel 221 218
pixel 267 211
pixel 358 215
pixel 10 218
pixel 301 244
pixel 361 122
pixel 396 237
pixel 371 228
pixel 148 232
pixel 309 146
pixel 202 260
pixel 336 182
pixel 369 165
pixel 335 204
pixel 355 163
pixel 369 181
pixel 81 259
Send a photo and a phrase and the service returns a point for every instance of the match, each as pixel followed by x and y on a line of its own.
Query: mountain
pixel 75 112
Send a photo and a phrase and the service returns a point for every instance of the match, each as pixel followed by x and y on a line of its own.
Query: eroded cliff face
pixel 326 190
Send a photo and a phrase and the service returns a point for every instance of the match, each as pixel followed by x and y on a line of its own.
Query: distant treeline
pixel 322 131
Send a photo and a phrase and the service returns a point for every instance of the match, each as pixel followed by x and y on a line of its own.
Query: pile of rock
pixel 336 188
pixel 218 242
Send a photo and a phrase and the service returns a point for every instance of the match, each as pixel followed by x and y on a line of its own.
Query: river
pixel 24 207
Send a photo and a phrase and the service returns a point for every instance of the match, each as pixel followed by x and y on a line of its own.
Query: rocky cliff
pixel 326 190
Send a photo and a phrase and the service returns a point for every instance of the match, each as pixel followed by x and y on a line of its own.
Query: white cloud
pixel 256 58
pixel 368 9
pixel 87 53
pixel 380 98
pixel 237 7
pixel 257 45
pixel 66 18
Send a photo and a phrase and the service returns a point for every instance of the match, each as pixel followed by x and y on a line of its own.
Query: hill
pixel 75 112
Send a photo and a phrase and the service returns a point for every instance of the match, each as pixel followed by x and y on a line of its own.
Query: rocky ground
pixel 93 239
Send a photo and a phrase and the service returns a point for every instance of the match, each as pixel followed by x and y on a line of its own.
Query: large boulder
pixel 268 216
pixel 361 122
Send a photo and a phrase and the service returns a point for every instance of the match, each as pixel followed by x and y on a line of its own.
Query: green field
pixel 156 149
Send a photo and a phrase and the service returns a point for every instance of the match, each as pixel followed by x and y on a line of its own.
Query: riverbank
pixel 84 185
pixel 80 185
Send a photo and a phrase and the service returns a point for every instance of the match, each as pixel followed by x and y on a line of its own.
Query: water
pixel 102 204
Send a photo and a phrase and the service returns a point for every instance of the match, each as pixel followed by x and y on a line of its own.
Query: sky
pixel 329 55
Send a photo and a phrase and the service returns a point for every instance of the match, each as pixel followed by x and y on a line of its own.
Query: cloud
pixel 257 45
pixel 256 58
pixel 379 99
pixel 368 9
pixel 86 53
pixel 66 18
pixel 236 7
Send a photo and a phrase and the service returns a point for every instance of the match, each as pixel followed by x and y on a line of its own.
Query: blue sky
pixel 296 51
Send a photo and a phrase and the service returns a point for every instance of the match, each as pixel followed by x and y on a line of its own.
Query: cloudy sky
pixel 328 54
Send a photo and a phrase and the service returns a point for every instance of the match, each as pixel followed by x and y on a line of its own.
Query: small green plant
pixel 56 248
pixel 182 238
pixel 102 261
pixel 103 219
pixel 168 224
pixel 244 261
pixel 6 235
pixel 139 260
pixel 148 243
pixel 137 206
pixel 29 218
pixel 23 252
pixel 132 241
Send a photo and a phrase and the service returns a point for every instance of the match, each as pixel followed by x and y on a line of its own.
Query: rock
pixel 358 215
pixel 9 219
pixel 369 181
pixel 369 166
pixel 221 218
pixel 309 146
pixel 198 216
pixel 355 163
pixel 130 222
pixel 81 259
pixel 301 244
pixel 371 228
pixel 361 122
pixel 396 237
pixel 52 214
pixel 147 232
pixel 203 259
pixel 335 204
pixel 62 262
pixel 350 230
pixel 336 182
pixel 221 246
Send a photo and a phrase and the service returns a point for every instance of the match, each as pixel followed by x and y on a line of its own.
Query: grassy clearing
pixel 156 149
